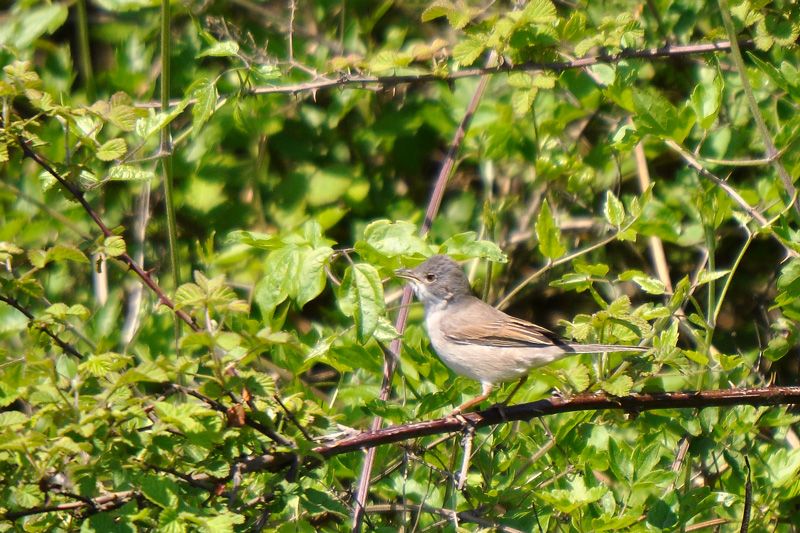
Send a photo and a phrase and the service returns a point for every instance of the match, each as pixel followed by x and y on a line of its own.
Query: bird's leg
pixel 486 390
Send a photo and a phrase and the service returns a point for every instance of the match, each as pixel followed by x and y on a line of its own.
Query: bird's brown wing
pixel 495 328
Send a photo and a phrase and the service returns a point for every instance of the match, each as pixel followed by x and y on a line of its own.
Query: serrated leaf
pixel 392 239
pixel 129 173
pixel 539 12
pixel 124 117
pixel 361 297
pixel 613 210
pixel 113 149
pixel 619 386
pixel 66 253
pixel 548 233
pixel 467 246
pixel 439 8
pixel 12 418
pixel 648 284
pixel 578 377
pixel 114 246
pixel 205 95
pixel 468 50
pixel 159 490
pixel 220 49
pixel 311 276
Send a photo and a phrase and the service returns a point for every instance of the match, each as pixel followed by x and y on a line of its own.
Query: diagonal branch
pixel 124 257
pixel 61 343
pixel 772 153
pixel 393 354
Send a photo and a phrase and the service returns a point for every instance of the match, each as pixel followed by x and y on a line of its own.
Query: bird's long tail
pixel 599 348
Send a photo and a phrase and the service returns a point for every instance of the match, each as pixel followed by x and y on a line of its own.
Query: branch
pixel 384 82
pixel 67 347
pixel 392 355
pixel 634 403
pixel 772 152
pixel 124 257
pixel 101 503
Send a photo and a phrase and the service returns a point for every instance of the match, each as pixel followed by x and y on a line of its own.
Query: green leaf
pixel 159 490
pixel 38 21
pixel 220 49
pixel 439 8
pixel 129 173
pixel 114 246
pixel 468 50
pixel 311 276
pixel 613 210
pixel 113 149
pixel 706 100
pixel 648 284
pixel 280 279
pixel 467 246
pixel 361 297
pixel 548 233
pixel 10 419
pixel 619 386
pixel 393 239
pixel 539 12
pixel 205 94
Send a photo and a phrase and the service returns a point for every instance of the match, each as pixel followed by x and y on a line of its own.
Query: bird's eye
pixel 430 277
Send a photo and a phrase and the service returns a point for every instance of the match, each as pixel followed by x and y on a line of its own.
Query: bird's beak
pixel 405 273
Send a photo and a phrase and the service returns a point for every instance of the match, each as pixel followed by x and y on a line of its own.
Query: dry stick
pixel 124 257
pixel 400 324
pixel 748 499
pixel 382 82
pixel 101 502
pixel 61 344
pixel 654 243
pixel 772 152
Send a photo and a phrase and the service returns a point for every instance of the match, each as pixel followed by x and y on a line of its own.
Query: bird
pixel 478 341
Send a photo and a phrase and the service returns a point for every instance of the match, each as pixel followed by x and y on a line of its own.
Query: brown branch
pixel 101 503
pixel 384 82
pixel 124 257
pixel 633 403
pixel 393 354
pixel 67 347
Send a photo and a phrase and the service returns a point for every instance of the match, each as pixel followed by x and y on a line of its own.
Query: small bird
pixel 478 341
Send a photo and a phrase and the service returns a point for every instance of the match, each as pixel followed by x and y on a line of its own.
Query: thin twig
pixel 772 152
pixel 748 499
pixel 344 80
pixel 730 191
pixel 61 343
pixel 124 257
pixel 291 417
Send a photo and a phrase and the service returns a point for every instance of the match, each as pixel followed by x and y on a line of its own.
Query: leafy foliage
pixel 632 192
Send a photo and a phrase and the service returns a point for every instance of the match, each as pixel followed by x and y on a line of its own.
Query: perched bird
pixel 478 341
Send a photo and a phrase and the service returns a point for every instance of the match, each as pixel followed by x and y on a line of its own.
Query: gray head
pixel 437 280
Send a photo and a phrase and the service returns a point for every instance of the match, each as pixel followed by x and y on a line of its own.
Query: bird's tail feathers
pixel 599 348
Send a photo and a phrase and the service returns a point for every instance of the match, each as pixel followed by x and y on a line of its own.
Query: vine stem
pixel 390 358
